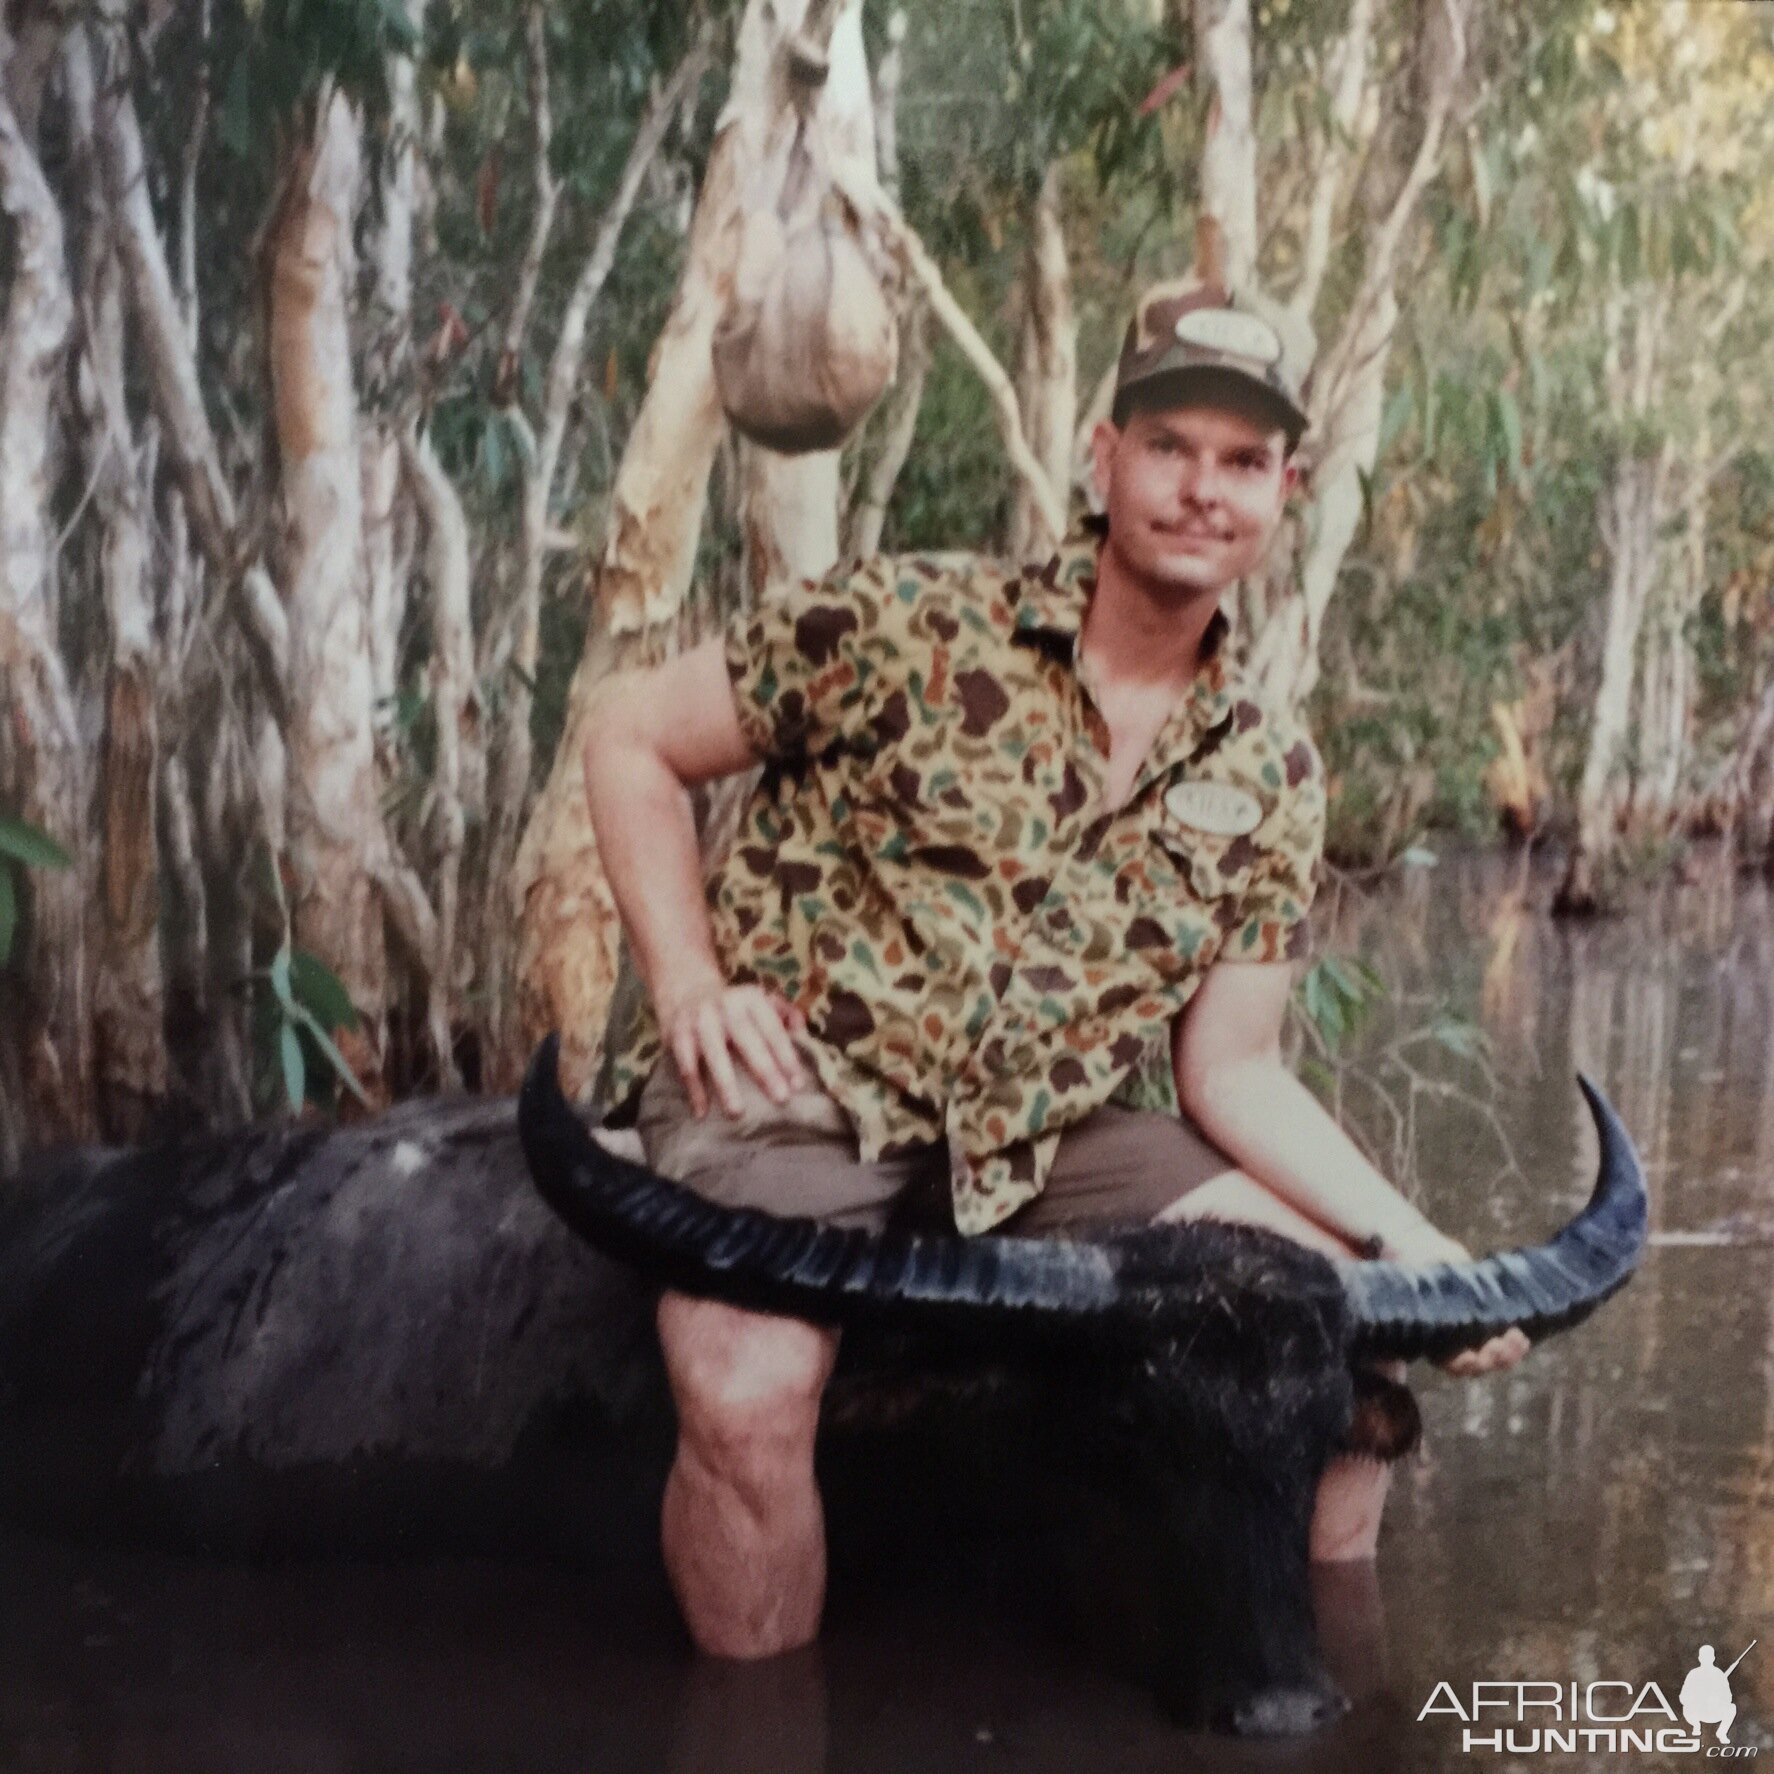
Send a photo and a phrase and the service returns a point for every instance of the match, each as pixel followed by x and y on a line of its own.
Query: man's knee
pixel 747 1386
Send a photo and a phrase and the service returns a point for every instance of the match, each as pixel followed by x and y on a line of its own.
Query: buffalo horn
pixel 1437 1311
pixel 791 1265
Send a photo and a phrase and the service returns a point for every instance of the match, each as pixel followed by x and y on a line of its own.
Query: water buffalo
pixel 315 1340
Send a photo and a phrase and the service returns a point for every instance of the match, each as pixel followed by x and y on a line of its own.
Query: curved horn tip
pixel 543 1074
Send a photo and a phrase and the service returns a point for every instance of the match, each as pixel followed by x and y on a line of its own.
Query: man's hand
pixel 1422 1246
pixel 706 1022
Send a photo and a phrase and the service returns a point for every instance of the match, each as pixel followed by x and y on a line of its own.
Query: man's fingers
pixel 1499 1353
pixel 715 1056
pixel 776 1019
pixel 683 1051
pixel 745 1027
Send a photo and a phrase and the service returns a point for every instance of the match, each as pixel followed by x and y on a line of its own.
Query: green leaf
pixel 493 453
pixel 1464 1039
pixel 1509 420
pixel 295 1068
pixel 316 987
pixel 8 912
pixel 1397 415
pixel 334 1057
pixel 237 121
pixel 280 980
pixel 25 843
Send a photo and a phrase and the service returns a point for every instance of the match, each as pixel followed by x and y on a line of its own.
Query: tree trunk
pixel 459 774
pixel 128 1007
pixel 1752 786
pixel 1347 390
pixel 1046 370
pixel 46 1032
pixel 1632 512
pixel 570 934
pixel 1660 799
pixel 337 840
pixel 899 425
pixel 515 637
pixel 386 360
pixel 1228 170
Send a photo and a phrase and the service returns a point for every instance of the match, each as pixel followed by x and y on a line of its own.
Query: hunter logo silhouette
pixel 1706 1693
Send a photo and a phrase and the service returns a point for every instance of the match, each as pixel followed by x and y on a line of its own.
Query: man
pixel 1020 835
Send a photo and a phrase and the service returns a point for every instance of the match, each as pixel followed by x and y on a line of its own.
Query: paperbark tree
pixel 337 839
pixel 1666 684
pixel 513 632
pixel 1347 387
pixel 1662 330
pixel 128 1006
pixel 42 780
pixel 570 942
pixel 1046 369
pixel 389 249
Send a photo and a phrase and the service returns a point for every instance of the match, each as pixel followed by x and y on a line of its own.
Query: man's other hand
pixel 1426 1246
pixel 708 1023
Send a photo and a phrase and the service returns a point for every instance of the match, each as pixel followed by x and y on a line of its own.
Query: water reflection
pixel 1595 1515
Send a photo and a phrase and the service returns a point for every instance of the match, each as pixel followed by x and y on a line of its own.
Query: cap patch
pixel 1227 330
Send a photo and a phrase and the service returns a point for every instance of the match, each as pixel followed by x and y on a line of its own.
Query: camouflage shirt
pixel 984 952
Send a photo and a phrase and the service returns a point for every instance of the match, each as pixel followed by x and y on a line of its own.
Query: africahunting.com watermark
pixel 1601 1717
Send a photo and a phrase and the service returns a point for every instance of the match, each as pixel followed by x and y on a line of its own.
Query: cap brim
pixel 1221 385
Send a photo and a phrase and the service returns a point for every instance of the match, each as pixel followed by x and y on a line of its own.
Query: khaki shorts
pixel 1117 1165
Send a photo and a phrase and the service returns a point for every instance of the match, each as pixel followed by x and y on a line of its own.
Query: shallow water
pixel 1594 1516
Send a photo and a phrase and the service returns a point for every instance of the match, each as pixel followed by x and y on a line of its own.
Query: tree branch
pixel 909 251
pixel 563 367
pixel 548 193
pixel 1347 78
pixel 1445 24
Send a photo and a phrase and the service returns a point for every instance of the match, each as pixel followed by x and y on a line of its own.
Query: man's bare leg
pixel 742 1527
pixel 1352 1489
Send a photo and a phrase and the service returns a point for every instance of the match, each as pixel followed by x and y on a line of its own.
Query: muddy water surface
pixel 1594 1516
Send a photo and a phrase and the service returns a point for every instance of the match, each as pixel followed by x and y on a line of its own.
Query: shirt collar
pixel 1055 596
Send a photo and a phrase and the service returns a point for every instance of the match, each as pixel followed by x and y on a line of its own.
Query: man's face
pixel 1193 493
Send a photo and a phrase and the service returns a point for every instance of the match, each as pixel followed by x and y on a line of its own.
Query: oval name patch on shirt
pixel 1215 807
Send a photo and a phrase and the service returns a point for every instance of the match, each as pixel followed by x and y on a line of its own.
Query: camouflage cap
pixel 1201 332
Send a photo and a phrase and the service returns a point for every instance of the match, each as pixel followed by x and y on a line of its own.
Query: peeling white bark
pixel 1631 510
pixel 165 335
pixel 337 838
pixel 1229 155
pixel 389 252
pixel 41 774
pixel 1046 371
pixel 128 1000
pixel 1667 693
pixel 459 775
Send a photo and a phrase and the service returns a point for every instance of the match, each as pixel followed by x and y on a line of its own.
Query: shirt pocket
pixel 1217 868
pixel 1188 892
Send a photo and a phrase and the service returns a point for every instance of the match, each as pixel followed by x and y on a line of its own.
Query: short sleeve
pixel 1272 916
pixel 807 663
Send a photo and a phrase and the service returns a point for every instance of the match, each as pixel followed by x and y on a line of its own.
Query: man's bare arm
pixel 653 736
pixel 1233 1083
